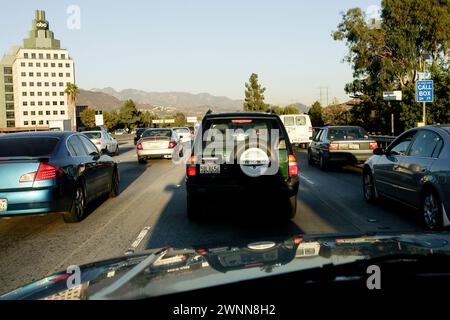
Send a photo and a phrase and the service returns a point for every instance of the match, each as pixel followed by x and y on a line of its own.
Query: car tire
pixel 323 163
pixel 115 184
pixel 291 207
pixel 193 209
pixel 369 187
pixel 78 207
pixel 431 210
pixel 310 158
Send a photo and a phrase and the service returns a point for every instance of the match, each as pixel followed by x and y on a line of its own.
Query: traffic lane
pixel 332 202
pixel 32 247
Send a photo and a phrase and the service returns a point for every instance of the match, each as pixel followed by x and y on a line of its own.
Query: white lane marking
pixel 138 240
pixel 303 177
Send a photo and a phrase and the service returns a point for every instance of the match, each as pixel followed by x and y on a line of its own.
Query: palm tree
pixel 72 92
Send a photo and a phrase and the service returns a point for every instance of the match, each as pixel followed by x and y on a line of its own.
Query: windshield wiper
pixel 103 294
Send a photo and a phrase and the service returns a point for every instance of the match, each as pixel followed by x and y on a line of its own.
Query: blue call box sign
pixel 424 91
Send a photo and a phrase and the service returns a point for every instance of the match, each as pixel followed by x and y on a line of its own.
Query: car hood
pixel 167 271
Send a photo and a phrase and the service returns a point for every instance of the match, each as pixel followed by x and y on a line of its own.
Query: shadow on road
pixel 226 221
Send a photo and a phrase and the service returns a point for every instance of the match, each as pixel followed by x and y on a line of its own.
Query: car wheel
pixel 193 209
pixel 310 158
pixel 432 211
pixel 323 163
pixel 78 209
pixel 369 187
pixel 114 185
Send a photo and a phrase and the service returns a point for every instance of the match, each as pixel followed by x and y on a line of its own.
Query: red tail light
pixel 139 146
pixel 298 240
pixel 191 167
pixel 293 166
pixel 333 146
pixel 373 146
pixel 45 172
pixel 201 252
pixel 135 136
pixel 172 144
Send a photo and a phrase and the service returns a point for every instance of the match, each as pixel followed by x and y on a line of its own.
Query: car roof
pixel 240 115
pixel 42 134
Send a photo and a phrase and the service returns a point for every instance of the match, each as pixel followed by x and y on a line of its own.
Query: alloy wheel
pixel 431 211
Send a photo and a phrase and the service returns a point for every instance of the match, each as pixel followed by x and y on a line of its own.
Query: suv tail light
pixel 45 172
pixel 293 166
pixel 191 167
pixel 139 146
pixel 333 146
pixel 373 146
pixel 172 144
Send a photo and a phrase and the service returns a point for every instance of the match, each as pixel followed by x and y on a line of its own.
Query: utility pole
pixel 321 95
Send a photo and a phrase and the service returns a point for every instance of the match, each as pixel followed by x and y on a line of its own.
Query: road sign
pixel 191 119
pixel 99 120
pixel 169 121
pixel 392 95
pixel 424 91
pixel 157 121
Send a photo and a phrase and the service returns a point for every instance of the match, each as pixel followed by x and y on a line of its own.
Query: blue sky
pixel 198 46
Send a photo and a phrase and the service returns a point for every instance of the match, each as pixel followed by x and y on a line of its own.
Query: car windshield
pixel 234 140
pixel 351 133
pixel 93 135
pixel 27 147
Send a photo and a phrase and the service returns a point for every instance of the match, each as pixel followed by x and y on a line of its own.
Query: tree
pixel 72 93
pixel 180 119
pixel 291 110
pixel 335 115
pixel 88 117
pixel 130 117
pixel 254 96
pixel 315 113
pixel 112 120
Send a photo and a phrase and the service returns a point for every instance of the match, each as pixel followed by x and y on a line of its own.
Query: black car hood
pixel 168 271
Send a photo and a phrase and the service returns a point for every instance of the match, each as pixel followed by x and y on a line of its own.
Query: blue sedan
pixel 46 172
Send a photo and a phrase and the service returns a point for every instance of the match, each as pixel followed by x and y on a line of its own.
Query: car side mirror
pixel 379 152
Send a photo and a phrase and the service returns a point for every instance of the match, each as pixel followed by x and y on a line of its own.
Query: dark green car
pixel 243 158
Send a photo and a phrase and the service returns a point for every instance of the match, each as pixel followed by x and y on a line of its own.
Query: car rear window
pixel 350 133
pixel 157 134
pixel 93 135
pixel 140 131
pixel 181 130
pixel 27 147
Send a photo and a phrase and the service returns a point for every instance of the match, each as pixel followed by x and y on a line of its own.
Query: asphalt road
pixel 150 213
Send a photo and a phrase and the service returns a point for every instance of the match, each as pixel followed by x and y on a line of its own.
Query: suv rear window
pixel 350 133
pixel 27 147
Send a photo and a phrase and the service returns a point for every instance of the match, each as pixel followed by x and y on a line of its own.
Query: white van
pixel 299 128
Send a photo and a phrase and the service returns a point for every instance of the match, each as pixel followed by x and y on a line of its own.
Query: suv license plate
pixel 210 168
pixel 3 204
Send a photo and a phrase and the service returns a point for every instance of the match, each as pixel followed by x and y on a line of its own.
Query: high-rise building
pixel 34 78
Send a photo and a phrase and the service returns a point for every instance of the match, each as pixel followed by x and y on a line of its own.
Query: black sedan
pixel 415 170
pixel 49 172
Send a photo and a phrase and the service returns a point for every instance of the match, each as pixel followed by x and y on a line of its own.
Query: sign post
pixel 392 96
pixel 424 94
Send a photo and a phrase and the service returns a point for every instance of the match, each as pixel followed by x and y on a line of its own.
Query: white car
pixel 103 141
pixel 120 132
pixel 158 143
pixel 299 128
pixel 183 133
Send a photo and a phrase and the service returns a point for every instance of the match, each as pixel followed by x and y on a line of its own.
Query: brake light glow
pixel 135 136
pixel 242 121
pixel 172 144
pixel 373 146
pixel 333 146
pixel 45 172
pixel 293 166
pixel 298 240
pixel 139 146
pixel 191 167
pixel 201 252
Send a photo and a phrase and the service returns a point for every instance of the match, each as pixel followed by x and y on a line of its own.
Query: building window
pixel 41 56
pixel 25 113
pixel 33 113
pixel 23 74
pixel 53 84
pixel 55 103
pixel 39 84
pixel 39 103
pixel 40 94
pixel 38 74
pixel 32 94
pixel 41 122
pixel 48 55
pixel 47 103
pixel 24 94
pixel 25 103
pixel 63 112
pixel 33 56
pixel 9 89
pixel 33 123
pixel 61 74
pixel 67 65
pixel 60 65
pixel 47 113
pixel 45 65
pixel 31 74
pixel 55 56
pixel 45 74
pixel 47 94
pixel 31 84
pixel 8 79
pixel 25 55
pixel 63 56
pixel 54 94
pixel 25 123
pixel 7 70
pixel 68 75
pixel 10 123
pixel 61 94
pixel 61 103
pixel 53 65
pixel 46 84
pixel 9 97
pixel 53 74
pixel 41 113
pixel 9 106
pixel 38 64
pixel 55 113
pixel 61 84
pixel 24 84
pixel 22 64
pixel 30 64
pixel 32 103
